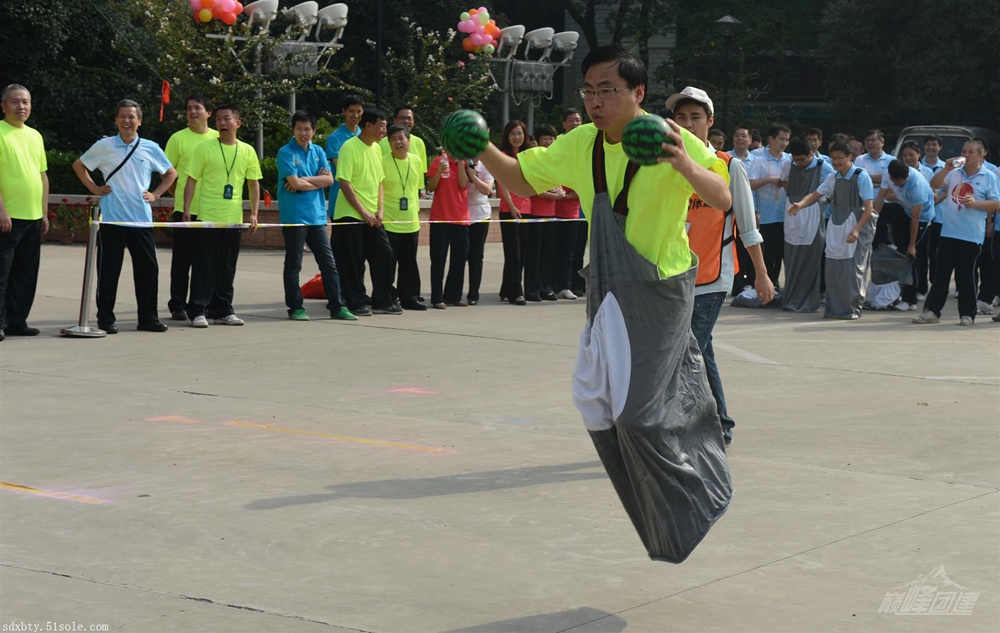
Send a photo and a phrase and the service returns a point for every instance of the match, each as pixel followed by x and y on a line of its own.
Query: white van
pixel 953 137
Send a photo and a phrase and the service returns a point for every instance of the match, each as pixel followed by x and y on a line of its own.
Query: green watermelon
pixel 644 137
pixel 465 135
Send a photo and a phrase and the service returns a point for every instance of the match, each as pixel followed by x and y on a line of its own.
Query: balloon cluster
pixel 483 32
pixel 225 10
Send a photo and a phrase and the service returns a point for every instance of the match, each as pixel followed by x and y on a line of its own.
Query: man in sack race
pixel 640 380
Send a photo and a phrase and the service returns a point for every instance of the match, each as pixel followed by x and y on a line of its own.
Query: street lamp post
pixel 727 26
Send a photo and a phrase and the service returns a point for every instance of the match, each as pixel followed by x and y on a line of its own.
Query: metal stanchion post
pixel 83 328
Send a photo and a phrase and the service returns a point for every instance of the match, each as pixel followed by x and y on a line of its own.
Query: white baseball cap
pixel 695 94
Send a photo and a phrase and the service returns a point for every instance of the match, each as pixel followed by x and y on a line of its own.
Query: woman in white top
pixel 480 213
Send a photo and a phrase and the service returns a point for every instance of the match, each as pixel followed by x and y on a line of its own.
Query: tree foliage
pixel 939 62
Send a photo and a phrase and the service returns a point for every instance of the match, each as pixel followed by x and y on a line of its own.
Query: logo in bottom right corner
pixel 931 594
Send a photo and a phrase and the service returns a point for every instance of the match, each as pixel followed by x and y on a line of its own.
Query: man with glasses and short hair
pixel 404 117
pixel 127 163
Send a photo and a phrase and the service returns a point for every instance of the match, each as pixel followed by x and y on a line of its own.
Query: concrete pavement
pixel 428 472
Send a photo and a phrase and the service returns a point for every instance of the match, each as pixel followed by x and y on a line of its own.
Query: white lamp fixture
pixel 264 10
pixel 512 36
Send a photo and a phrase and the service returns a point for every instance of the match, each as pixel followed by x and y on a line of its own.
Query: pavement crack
pixel 782 559
pixel 229 605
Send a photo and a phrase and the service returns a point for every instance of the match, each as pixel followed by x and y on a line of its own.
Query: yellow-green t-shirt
pixel 417 148
pixel 22 162
pixel 180 151
pixel 657 198
pixel 208 169
pixel 361 165
pixel 397 172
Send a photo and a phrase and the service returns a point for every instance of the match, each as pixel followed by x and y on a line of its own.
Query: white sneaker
pixel 996 301
pixel 984 308
pixel 954 295
pixel 921 296
pixel 199 321
pixel 566 294
pixel 927 317
pixel 966 320
pixel 232 319
pixel 903 306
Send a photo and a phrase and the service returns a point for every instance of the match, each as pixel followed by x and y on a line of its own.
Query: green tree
pixel 940 61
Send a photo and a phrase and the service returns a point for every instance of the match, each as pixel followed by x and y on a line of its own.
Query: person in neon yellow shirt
pixel 217 173
pixel 358 234
pixel 404 117
pixel 180 152
pixel 24 190
pixel 639 381
pixel 402 185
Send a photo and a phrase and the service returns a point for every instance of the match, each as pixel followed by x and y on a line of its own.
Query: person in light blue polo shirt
pixel 907 220
pixel 746 276
pixel 127 163
pixel 302 177
pixel 973 193
pixel 875 162
pixel 765 180
pixel 352 109
pixel 996 252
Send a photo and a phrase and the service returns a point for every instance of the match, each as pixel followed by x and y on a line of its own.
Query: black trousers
pixel 890 211
pixel 445 237
pixel 477 248
pixel 773 248
pixel 181 256
pixel 404 267
pixel 898 229
pixel 546 253
pixel 747 274
pixel 985 266
pixel 933 237
pixel 354 243
pixel 20 254
pixel 213 272
pixel 996 264
pixel 510 287
pixel 579 250
pixel 531 249
pixel 958 256
pixel 562 272
pixel 111 244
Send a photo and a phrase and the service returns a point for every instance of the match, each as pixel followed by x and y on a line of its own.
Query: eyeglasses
pixel 600 93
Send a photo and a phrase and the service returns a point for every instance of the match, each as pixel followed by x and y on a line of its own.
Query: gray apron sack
pixel 889 265
pixel 805 240
pixel 847 264
pixel 641 386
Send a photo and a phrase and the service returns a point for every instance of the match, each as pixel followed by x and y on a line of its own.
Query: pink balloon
pixel 477 39
pixel 229 6
pixel 470 26
pixel 487 39
pixel 195 4
pixel 483 10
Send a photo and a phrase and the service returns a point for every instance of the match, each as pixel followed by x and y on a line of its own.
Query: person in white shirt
pixel 765 180
pixel 480 213
pixel 745 278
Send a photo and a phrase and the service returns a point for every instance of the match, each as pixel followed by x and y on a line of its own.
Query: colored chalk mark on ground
pixel 344 438
pixel 418 390
pixel 48 493
pixel 173 418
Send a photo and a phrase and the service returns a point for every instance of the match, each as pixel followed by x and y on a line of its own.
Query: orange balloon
pixel 229 18
pixel 218 11
pixel 207 4
pixel 473 12
pixel 467 45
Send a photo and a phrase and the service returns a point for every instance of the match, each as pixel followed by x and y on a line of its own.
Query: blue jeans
pixel 706 312
pixel 319 244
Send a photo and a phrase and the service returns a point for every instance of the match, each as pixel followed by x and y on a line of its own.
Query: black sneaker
pixel 179 315
pixel 388 310
pixel 152 326
pixel 534 298
pixel 413 305
pixel 550 296
pixel 22 330
pixel 110 328
pixel 362 311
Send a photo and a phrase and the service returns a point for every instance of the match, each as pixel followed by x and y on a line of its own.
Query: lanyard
pixel 400 174
pixel 229 168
